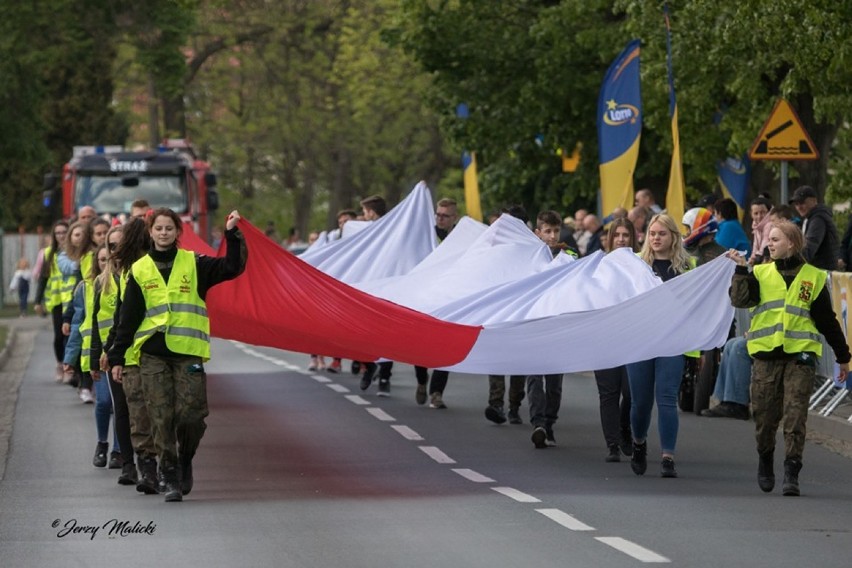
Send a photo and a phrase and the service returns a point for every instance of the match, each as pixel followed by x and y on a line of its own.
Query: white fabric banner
pixel 540 314
pixel 687 313
pixel 390 246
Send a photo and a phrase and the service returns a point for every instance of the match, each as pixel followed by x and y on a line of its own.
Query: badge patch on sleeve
pixel 806 290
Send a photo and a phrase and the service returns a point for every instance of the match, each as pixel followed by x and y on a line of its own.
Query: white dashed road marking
pixel 381 414
pixel 436 454
pixel 565 520
pixel 357 399
pixel 471 475
pixel 632 549
pixel 407 432
pixel 518 496
pixel 558 516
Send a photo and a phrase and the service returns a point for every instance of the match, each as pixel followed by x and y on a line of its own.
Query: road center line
pixel 407 432
pixel 357 399
pixel 474 476
pixel 519 496
pixel 320 379
pixel 565 520
pixel 381 414
pixel 632 549
pixel 337 388
pixel 436 454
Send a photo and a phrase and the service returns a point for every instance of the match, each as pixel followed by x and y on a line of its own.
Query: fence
pixel 14 247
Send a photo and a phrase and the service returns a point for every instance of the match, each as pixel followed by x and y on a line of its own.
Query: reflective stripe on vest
pixel 783 317
pixel 53 288
pixel 172 308
pixel 86 327
pixel 106 311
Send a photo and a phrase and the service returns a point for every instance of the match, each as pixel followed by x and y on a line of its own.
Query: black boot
pixel 185 474
pixel 147 484
pixel 128 476
pixel 792 467
pixel 172 490
pixel 766 471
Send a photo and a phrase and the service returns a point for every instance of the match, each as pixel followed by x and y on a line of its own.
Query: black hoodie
pixel 822 246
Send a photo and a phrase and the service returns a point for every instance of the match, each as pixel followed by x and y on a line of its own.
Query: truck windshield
pixel 107 194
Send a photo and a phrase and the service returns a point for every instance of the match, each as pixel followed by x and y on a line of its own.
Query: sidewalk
pixel 14 358
pixel 833 432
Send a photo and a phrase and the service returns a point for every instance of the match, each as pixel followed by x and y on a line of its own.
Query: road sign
pixel 783 137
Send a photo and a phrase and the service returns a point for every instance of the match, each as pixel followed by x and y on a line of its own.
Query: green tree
pixel 531 70
pixel 57 86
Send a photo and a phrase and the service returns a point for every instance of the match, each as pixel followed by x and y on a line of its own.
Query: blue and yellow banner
pixel 472 206
pixel 733 175
pixel 619 129
pixel 676 194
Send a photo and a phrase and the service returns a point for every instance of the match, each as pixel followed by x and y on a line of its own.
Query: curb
pixel 832 426
pixel 7 349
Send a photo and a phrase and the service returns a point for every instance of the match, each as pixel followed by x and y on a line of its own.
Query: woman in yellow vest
pixel 658 380
pixel 127 243
pixel 163 325
pixel 790 308
pixel 75 261
pixel 48 298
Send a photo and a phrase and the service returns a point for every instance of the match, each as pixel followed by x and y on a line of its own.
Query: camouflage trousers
pixel 497 390
pixel 140 422
pixel 175 391
pixel 780 390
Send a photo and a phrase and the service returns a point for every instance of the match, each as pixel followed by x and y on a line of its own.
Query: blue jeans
pixel 103 411
pixel 734 380
pixel 655 379
pixel 545 395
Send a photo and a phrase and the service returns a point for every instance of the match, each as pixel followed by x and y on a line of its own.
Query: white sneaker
pixel 86 396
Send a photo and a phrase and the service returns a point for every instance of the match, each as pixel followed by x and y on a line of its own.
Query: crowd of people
pixel 671 247
pixel 130 329
pixel 130 323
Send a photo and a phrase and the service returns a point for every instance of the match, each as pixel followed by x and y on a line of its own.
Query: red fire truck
pixel 110 178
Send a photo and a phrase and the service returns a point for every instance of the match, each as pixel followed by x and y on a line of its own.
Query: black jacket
pixel 822 246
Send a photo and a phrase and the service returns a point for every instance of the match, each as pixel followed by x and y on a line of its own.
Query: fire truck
pixel 110 178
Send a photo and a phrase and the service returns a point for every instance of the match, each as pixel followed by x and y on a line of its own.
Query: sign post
pixel 783 138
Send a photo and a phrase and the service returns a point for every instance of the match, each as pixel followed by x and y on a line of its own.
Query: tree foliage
pixel 306 106
pixel 535 67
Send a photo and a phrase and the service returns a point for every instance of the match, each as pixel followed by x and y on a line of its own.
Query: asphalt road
pixel 302 469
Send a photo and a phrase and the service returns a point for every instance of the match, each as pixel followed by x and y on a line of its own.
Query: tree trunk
pixel 174 116
pixel 153 114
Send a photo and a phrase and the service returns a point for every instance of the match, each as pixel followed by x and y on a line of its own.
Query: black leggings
pixel 58 338
pixel 614 392
pixel 122 420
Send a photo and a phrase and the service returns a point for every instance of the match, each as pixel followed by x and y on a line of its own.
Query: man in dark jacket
pixel 822 246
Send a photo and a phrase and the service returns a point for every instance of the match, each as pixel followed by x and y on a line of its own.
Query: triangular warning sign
pixel 783 137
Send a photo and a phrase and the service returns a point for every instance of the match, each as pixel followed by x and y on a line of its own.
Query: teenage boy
pixel 545 391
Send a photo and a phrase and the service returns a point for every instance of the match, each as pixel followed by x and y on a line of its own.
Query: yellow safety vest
pixel 783 317
pixel 106 311
pixel 86 327
pixel 172 308
pixel 86 265
pixel 53 289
